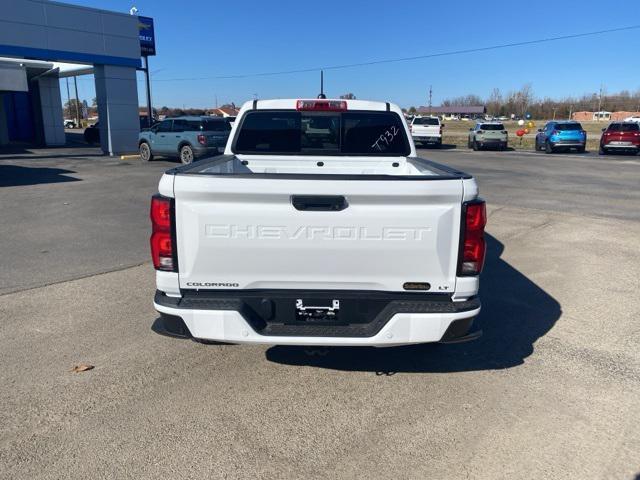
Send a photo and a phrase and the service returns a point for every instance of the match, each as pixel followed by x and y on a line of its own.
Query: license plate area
pixel 318 311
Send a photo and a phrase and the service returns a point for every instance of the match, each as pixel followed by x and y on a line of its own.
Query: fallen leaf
pixel 83 367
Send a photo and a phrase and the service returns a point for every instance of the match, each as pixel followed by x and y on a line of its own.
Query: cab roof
pixel 290 104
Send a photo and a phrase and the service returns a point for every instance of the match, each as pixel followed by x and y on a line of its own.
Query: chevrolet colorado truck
pixel 318 226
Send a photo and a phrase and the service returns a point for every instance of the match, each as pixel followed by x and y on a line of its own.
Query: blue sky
pixel 209 38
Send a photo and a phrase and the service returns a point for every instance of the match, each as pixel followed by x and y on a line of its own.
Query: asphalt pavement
pixel 549 391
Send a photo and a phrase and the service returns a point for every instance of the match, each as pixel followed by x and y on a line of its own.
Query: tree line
pixel 519 102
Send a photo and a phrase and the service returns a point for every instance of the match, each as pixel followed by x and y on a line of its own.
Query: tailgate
pixel 246 233
pixel 425 130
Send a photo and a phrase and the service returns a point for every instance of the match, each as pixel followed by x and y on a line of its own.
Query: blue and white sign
pixel 147 36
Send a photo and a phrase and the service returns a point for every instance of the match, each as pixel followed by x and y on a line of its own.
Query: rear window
pixel 491 126
pixel 208 125
pixel 426 121
pixel 568 126
pixel 322 133
pixel 624 127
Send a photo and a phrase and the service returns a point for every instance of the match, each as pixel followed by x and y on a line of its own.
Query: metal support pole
pixel 69 100
pixel 75 82
pixel 148 85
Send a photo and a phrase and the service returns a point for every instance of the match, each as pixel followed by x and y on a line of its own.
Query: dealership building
pixel 36 38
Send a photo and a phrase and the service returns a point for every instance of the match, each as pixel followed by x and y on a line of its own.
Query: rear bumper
pixel 568 143
pixel 621 147
pixel 427 138
pixel 201 151
pixel 492 143
pixel 266 317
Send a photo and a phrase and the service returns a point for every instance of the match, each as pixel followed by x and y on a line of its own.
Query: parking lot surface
pixel 549 391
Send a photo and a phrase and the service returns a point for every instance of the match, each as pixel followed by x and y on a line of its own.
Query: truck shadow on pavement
pixel 14 175
pixel 515 313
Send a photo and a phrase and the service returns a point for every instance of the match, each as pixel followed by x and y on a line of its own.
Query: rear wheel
pixel 186 154
pixel 602 150
pixel 145 152
pixel 547 147
pixel 581 149
pixel 476 147
pixel 469 145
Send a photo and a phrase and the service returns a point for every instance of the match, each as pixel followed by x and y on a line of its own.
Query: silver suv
pixel 186 137
pixel 488 134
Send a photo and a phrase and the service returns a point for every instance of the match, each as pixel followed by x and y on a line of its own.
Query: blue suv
pixel 561 135
pixel 187 138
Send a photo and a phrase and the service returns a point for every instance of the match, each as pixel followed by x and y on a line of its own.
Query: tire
pixel 475 146
pixel 145 152
pixel 439 144
pixel 186 154
pixel 602 151
pixel 547 147
pixel 469 143
pixel 536 145
pixel 581 149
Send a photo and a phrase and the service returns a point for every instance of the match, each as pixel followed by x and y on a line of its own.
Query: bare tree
pixel 494 102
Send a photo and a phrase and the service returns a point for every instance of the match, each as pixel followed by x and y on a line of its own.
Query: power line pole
pixel 600 102
pixel 430 96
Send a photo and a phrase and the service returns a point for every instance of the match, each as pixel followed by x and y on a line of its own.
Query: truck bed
pixel 308 167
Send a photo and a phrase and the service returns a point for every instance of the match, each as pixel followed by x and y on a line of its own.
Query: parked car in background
pixel 92 132
pixel 186 137
pixel 632 119
pixel 563 135
pixel 488 134
pixel 69 124
pixel 427 130
pixel 620 136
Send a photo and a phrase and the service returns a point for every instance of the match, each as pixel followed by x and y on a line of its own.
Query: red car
pixel 620 136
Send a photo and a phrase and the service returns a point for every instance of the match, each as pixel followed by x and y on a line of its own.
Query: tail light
pixel 162 237
pixel 202 139
pixel 322 105
pixel 472 244
pixel 440 129
pixel 411 128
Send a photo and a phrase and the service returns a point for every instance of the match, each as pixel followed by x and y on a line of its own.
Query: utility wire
pixel 405 59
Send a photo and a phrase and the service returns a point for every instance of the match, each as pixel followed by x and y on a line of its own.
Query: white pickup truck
pixel 318 226
pixel 427 130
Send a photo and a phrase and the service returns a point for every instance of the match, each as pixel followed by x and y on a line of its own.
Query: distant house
pixel 224 112
pixel 454 112
pixel 602 116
